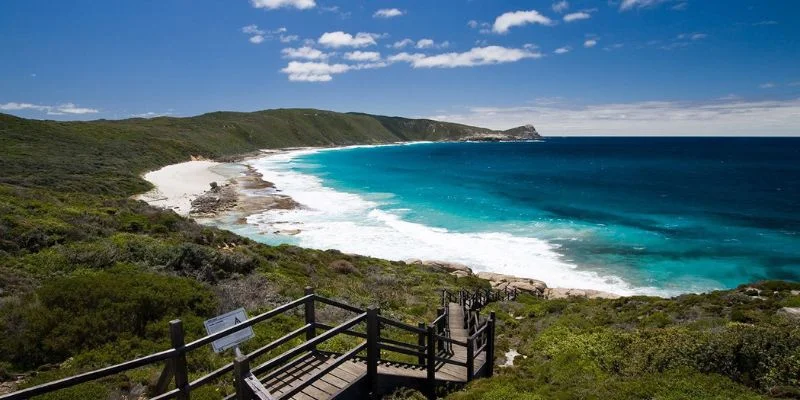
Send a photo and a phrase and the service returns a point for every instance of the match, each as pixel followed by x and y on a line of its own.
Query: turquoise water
pixel 631 215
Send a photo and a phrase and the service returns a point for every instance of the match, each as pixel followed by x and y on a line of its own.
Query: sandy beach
pixel 177 185
pixel 186 189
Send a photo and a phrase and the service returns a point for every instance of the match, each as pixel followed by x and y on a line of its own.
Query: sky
pixel 569 67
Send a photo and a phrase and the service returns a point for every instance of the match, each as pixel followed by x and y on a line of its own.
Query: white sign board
pixel 228 320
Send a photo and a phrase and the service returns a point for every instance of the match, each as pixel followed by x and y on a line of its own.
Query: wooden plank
pixel 293 376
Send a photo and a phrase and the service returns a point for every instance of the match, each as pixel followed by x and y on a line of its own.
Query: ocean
pixel 658 216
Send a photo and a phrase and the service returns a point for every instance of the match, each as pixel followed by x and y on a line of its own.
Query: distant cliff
pixel 526 132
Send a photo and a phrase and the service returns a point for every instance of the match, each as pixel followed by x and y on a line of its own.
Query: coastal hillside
pixel 90 277
pixel 72 155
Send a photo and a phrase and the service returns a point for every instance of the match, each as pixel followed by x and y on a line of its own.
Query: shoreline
pixel 242 191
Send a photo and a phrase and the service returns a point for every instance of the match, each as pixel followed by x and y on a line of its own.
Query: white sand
pixel 178 184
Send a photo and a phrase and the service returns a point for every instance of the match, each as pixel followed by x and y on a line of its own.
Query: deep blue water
pixel 678 214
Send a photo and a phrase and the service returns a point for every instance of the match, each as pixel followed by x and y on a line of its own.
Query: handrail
pixel 338 361
pixel 450 361
pixel 90 376
pixel 310 343
pixel 397 349
pixel 401 325
pixel 277 342
pixel 399 343
pixel 451 340
pixel 439 319
pixel 338 304
pixel 479 331
pixel 347 332
pixel 435 340
pixel 250 322
pixel 480 349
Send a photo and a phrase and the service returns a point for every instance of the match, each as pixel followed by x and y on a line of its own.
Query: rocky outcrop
pixel 456 269
pixel 526 132
pixel 216 199
pixel 561 293
pixel 525 285
pixel 502 282
pixel 790 312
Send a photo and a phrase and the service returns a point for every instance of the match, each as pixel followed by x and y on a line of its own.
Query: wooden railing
pixel 429 344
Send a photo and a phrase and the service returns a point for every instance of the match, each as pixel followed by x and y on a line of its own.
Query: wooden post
pixel 165 378
pixel 490 346
pixel 470 359
pixel 373 351
pixel 440 329
pixel 421 343
pixel 311 331
pixel 181 372
pixel 241 369
pixel 431 367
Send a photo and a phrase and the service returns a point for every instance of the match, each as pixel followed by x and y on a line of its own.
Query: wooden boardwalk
pixel 448 352
pixel 281 383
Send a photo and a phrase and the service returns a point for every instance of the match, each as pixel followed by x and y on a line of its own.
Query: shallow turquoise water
pixel 667 214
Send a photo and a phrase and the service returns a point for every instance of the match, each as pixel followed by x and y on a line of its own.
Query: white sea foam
pixel 348 222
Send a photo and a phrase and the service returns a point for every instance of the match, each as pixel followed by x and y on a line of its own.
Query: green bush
pixel 92 308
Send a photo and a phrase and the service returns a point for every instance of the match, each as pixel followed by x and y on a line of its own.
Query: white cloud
pixel 692 36
pixel 335 10
pixel 67 108
pixel 590 43
pixel 313 71
pixel 370 56
pixel 473 24
pixel 402 43
pixel 252 30
pixel 631 4
pixel 719 117
pixel 275 4
pixel 341 39
pixel 475 57
pixel 150 114
pixel 518 18
pixel 70 108
pixel 563 50
pixel 259 35
pixel 431 44
pixel 425 43
pixel 768 85
pixel 577 16
pixel 560 6
pixel 388 13
pixel 305 53
pixel 680 6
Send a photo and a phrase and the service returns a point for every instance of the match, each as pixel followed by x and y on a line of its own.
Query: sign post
pixel 225 321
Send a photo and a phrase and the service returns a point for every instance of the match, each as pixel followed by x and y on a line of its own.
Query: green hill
pixel 73 156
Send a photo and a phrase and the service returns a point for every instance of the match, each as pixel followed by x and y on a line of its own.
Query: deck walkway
pixel 280 383
pixel 446 353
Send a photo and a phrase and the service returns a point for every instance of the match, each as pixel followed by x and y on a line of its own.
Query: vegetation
pixel 89 277
pixel 721 345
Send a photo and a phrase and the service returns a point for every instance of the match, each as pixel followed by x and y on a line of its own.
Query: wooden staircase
pixel 455 348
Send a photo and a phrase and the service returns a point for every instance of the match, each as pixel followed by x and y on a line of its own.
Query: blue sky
pixel 623 67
